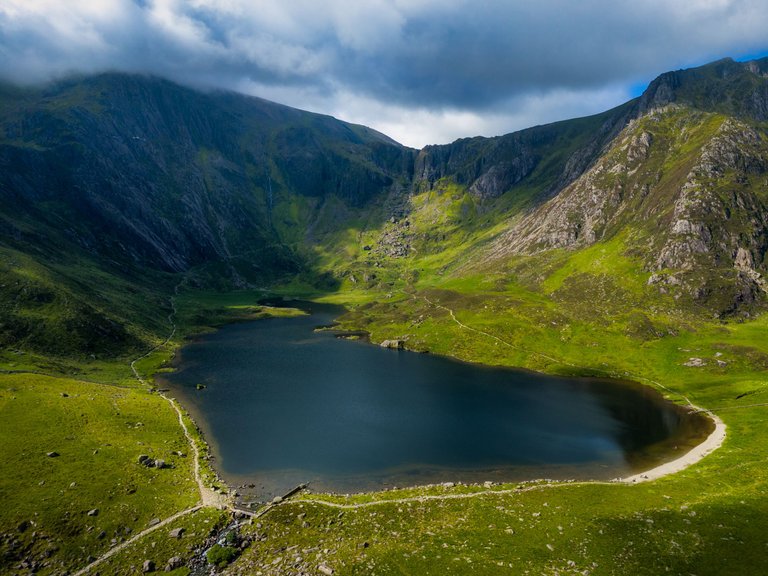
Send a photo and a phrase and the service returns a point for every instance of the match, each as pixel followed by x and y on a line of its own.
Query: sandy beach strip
pixel 712 443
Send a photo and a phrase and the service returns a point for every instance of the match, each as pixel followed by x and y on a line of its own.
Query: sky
pixel 421 71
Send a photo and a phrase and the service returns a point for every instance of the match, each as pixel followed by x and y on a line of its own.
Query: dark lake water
pixel 284 405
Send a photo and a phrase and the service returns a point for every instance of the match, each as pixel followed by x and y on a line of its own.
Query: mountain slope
pixel 143 171
pixel 687 179
pixel 141 179
pixel 138 179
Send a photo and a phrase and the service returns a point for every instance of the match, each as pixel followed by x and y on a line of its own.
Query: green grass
pixel 549 529
pixel 98 431
pixel 159 547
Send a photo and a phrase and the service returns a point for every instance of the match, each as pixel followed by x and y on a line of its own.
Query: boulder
pixel 173 563
pixel 52 454
pixel 176 532
pixel 393 344
pixel 93 512
pixel 148 566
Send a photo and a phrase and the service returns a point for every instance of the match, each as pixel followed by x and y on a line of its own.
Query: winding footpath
pixel 208 498
pixel 112 551
pixel 441 497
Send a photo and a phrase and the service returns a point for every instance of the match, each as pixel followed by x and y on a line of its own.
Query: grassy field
pixel 98 419
pixel 60 509
pixel 708 519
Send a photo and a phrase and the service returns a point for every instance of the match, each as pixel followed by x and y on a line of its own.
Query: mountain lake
pixel 284 404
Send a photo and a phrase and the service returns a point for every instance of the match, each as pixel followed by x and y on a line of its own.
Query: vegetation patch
pixel 72 482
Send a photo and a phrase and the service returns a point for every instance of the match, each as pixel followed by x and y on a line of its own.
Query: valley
pixel 628 245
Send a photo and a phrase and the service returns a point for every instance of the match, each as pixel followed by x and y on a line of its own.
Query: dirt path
pixel 489 335
pixel 438 497
pixel 551 358
pixel 112 551
pixel 207 496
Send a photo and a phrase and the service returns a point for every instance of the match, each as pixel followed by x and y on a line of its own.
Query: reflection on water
pixel 285 405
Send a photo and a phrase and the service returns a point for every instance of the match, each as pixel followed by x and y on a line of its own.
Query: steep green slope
pixel 110 185
pixel 140 170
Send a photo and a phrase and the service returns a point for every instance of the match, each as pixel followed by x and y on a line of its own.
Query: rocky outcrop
pixel 490 167
pixel 718 219
pixel 706 227
pixel 583 211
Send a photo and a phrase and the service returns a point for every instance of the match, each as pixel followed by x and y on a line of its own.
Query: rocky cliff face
pixel 546 158
pixel 689 181
pixel 142 171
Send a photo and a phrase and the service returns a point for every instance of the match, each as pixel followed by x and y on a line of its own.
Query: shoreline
pixel 696 454
pixel 713 441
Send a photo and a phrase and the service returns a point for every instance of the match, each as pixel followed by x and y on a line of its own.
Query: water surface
pixel 284 404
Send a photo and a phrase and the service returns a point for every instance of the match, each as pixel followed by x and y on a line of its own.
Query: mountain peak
pixel 735 88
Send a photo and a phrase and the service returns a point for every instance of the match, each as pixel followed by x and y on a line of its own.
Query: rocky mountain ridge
pixel 136 174
pixel 691 182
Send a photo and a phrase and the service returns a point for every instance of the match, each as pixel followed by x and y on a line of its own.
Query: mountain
pixel 677 176
pixel 113 188
pixel 686 179
pixel 143 171
pixel 137 178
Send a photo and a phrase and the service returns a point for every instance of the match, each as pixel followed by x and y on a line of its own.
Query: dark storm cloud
pixel 453 57
pixel 496 50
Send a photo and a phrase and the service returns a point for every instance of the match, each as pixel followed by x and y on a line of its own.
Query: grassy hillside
pixel 97 432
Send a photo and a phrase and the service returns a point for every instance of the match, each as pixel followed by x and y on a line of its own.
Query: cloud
pixel 422 69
